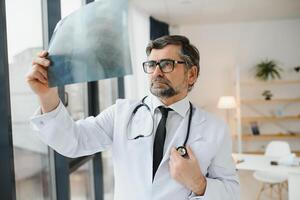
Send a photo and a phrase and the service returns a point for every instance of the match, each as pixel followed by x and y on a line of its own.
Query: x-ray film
pixel 90 44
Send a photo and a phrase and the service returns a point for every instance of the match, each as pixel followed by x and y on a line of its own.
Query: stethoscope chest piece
pixel 182 151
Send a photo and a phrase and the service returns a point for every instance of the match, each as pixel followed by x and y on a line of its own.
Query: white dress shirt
pixel 180 110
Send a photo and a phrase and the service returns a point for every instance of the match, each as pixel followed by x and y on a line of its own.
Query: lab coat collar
pixel 181 107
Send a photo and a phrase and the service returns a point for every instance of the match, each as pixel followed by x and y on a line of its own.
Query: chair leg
pixel 285 185
pixel 272 187
pixel 260 191
pixel 271 191
pixel 279 190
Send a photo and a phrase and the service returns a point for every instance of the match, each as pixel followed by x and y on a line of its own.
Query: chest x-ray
pixel 90 44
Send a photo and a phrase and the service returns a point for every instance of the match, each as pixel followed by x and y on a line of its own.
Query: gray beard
pixel 165 92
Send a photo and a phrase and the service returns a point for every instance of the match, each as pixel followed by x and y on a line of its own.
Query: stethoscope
pixel 180 149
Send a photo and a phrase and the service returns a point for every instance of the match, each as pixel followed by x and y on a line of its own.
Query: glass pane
pixel 76 95
pixel 81 182
pixel 24 33
pixel 108 93
pixel 108 179
pixel 68 6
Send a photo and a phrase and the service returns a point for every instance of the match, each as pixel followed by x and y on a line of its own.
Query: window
pixel 31 156
pixel 24 38
pixel 108 93
pixel 81 182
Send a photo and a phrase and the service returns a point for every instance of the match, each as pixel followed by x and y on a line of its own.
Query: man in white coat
pixel 144 135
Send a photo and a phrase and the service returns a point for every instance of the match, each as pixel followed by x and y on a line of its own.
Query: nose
pixel 157 71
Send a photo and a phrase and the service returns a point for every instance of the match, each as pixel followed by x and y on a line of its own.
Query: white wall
pixel 225 46
pixel 139 36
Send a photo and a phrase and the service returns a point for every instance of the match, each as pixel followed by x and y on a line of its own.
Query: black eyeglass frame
pixel 162 68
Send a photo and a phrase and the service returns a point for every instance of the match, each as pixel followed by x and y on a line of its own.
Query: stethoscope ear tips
pixel 182 151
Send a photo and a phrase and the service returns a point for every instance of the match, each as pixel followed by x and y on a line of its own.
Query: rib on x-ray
pixel 90 44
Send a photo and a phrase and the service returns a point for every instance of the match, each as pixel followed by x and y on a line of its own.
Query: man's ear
pixel 192 75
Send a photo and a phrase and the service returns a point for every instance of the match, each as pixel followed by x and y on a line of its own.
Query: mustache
pixel 161 80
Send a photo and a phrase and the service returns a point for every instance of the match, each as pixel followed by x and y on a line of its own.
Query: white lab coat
pixel 132 159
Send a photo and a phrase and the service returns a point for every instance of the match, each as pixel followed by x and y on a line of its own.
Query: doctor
pixel 145 135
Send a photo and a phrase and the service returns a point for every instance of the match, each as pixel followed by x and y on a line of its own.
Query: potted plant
pixel 267 94
pixel 267 70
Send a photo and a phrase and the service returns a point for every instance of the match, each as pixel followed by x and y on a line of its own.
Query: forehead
pixel 169 51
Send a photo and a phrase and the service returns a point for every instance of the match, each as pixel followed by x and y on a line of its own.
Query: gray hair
pixel 189 53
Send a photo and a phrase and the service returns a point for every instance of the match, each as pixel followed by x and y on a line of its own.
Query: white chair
pixel 276 149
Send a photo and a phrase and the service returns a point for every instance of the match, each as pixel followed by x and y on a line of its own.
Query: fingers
pixel 44 62
pixel 175 156
pixel 42 59
pixel 191 153
pixel 175 153
pixel 42 54
pixel 41 70
pixel 37 76
pixel 38 73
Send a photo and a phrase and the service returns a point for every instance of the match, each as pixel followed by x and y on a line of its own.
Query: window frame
pixel 7 174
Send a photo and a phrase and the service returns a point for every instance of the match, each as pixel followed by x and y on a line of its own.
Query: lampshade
pixel 227 102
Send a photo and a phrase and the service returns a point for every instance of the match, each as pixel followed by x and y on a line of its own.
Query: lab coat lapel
pixel 197 119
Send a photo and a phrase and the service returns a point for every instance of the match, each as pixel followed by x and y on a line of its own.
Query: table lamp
pixel 227 102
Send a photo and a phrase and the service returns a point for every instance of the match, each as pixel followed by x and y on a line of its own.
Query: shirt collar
pixel 181 107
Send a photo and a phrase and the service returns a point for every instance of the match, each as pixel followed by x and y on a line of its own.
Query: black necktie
pixel 159 140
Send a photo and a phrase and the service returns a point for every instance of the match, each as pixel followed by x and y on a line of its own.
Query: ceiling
pixel 178 12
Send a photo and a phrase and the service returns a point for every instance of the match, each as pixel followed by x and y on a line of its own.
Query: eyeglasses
pixel 165 65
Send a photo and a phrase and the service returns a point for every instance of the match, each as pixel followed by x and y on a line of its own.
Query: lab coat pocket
pixel 140 147
pixel 204 151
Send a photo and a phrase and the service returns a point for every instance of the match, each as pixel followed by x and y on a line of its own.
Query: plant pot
pixel 268 98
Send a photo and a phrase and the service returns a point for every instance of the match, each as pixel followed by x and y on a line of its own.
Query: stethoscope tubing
pixel 181 149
